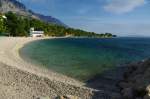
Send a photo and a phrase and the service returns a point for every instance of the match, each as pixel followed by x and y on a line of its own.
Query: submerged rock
pixel 136 82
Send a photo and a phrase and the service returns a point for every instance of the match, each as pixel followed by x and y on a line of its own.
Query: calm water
pixel 83 58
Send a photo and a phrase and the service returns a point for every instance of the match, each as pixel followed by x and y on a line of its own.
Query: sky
pixel 120 17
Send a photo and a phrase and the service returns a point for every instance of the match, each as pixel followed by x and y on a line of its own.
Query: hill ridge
pixel 20 9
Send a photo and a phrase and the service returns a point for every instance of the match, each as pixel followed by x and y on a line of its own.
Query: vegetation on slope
pixel 19 26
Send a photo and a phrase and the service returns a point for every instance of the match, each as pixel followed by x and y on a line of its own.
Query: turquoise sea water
pixel 82 58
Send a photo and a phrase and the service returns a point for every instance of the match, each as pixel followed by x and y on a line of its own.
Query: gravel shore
pixel 22 80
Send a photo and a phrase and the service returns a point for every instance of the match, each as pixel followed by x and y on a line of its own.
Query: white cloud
pixel 123 6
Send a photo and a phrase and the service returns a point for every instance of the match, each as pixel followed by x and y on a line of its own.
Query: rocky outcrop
pixel 136 83
pixel 20 9
pixel 131 81
pixel 12 5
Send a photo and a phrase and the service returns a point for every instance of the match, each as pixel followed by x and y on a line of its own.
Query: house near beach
pixel 34 33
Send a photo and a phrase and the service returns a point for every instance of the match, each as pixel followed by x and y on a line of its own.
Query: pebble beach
pixel 22 80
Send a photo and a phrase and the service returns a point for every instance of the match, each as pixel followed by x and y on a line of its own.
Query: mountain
pixel 20 9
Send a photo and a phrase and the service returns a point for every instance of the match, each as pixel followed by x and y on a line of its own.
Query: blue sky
pixel 121 17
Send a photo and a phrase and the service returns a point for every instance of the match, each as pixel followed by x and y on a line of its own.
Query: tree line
pixel 15 25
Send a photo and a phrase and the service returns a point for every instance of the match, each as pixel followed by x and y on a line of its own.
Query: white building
pixel 36 33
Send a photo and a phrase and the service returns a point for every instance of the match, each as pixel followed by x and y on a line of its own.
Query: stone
pixel 115 96
pixel 148 90
pixel 68 97
pixel 139 98
pixel 128 93
pixel 146 97
pixel 123 85
pixel 72 97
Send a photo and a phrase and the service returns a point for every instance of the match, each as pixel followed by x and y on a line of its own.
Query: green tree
pixel 16 26
pixel 20 26
pixel 2 24
pixel 12 24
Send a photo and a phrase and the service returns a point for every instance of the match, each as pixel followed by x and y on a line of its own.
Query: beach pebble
pixel 128 93
pixel 68 97
pixel 148 90
pixel 146 97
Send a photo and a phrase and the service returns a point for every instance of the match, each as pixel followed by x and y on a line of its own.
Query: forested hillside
pixel 14 25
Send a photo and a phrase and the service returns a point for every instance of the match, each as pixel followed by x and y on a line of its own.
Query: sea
pixel 83 58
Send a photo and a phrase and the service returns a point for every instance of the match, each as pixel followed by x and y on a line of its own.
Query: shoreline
pixel 13 58
pixel 59 84
pixel 20 79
